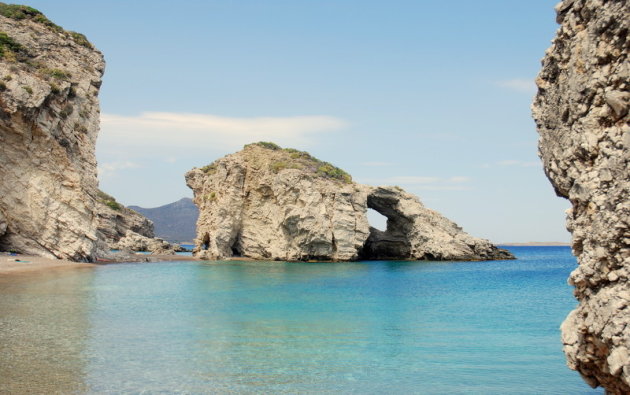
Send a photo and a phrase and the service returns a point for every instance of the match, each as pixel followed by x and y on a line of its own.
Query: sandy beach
pixel 10 264
pixel 27 263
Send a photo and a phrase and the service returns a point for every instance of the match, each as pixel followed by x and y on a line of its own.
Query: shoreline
pixel 19 264
pixel 537 244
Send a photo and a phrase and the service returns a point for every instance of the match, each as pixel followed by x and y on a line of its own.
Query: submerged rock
pixel 581 112
pixel 266 202
pixel 49 120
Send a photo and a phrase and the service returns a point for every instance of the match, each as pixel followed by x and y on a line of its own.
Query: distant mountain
pixel 174 222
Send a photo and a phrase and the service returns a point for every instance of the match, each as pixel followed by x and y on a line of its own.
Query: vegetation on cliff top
pixel 21 12
pixel 290 158
pixel 295 159
pixel 109 201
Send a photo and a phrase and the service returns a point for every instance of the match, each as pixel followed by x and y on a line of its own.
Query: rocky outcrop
pixel 133 241
pixel 121 228
pixel 115 220
pixel 418 233
pixel 49 120
pixel 3 224
pixel 581 112
pixel 266 202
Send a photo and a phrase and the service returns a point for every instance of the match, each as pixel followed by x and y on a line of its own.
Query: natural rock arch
pixel 393 243
pixel 205 241
pixel 269 203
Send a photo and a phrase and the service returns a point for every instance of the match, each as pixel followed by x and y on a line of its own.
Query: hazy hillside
pixel 174 222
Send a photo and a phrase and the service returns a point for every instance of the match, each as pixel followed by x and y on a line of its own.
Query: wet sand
pixel 10 264
pixel 27 263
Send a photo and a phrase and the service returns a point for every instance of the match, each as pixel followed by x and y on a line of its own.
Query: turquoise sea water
pixel 273 327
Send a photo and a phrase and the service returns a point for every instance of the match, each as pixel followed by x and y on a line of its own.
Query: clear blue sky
pixel 433 96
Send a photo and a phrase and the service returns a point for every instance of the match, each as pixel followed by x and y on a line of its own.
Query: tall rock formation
pixel 581 112
pixel 266 202
pixel 49 120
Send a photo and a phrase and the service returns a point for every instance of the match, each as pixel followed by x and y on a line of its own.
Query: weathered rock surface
pixel 418 233
pixel 121 228
pixel 581 112
pixel 49 120
pixel 265 202
pixel 3 224
pixel 115 220
pixel 133 241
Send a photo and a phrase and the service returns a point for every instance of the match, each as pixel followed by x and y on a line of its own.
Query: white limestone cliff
pixel 266 202
pixel 50 204
pixel 581 112
pixel 49 120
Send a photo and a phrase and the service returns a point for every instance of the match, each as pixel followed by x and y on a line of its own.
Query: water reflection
pixel 43 331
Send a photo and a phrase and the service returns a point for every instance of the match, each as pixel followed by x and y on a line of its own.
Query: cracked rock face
pixel 49 117
pixel 581 112
pixel 133 241
pixel 121 228
pixel 266 202
pixel 418 233
pixel 115 220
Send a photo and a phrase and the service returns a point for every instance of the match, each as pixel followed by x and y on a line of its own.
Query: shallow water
pixel 273 327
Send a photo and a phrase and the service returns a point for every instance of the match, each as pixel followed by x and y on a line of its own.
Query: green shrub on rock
pixel 19 12
pixel 330 171
pixel 109 201
pixel 9 47
pixel 81 39
pixel 209 169
pixel 265 144
pixel 114 205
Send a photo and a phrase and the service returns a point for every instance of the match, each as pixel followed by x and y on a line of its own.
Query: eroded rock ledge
pixel 266 202
pixel 581 112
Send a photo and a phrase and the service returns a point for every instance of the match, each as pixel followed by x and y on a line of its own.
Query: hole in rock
pixel 377 220
pixel 236 251
pixel 236 247
pixel 206 242
pixel 389 228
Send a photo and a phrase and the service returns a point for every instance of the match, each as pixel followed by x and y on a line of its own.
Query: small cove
pixel 275 327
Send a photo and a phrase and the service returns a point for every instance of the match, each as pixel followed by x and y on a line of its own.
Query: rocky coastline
pixel 582 114
pixel 49 120
pixel 50 204
pixel 270 203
